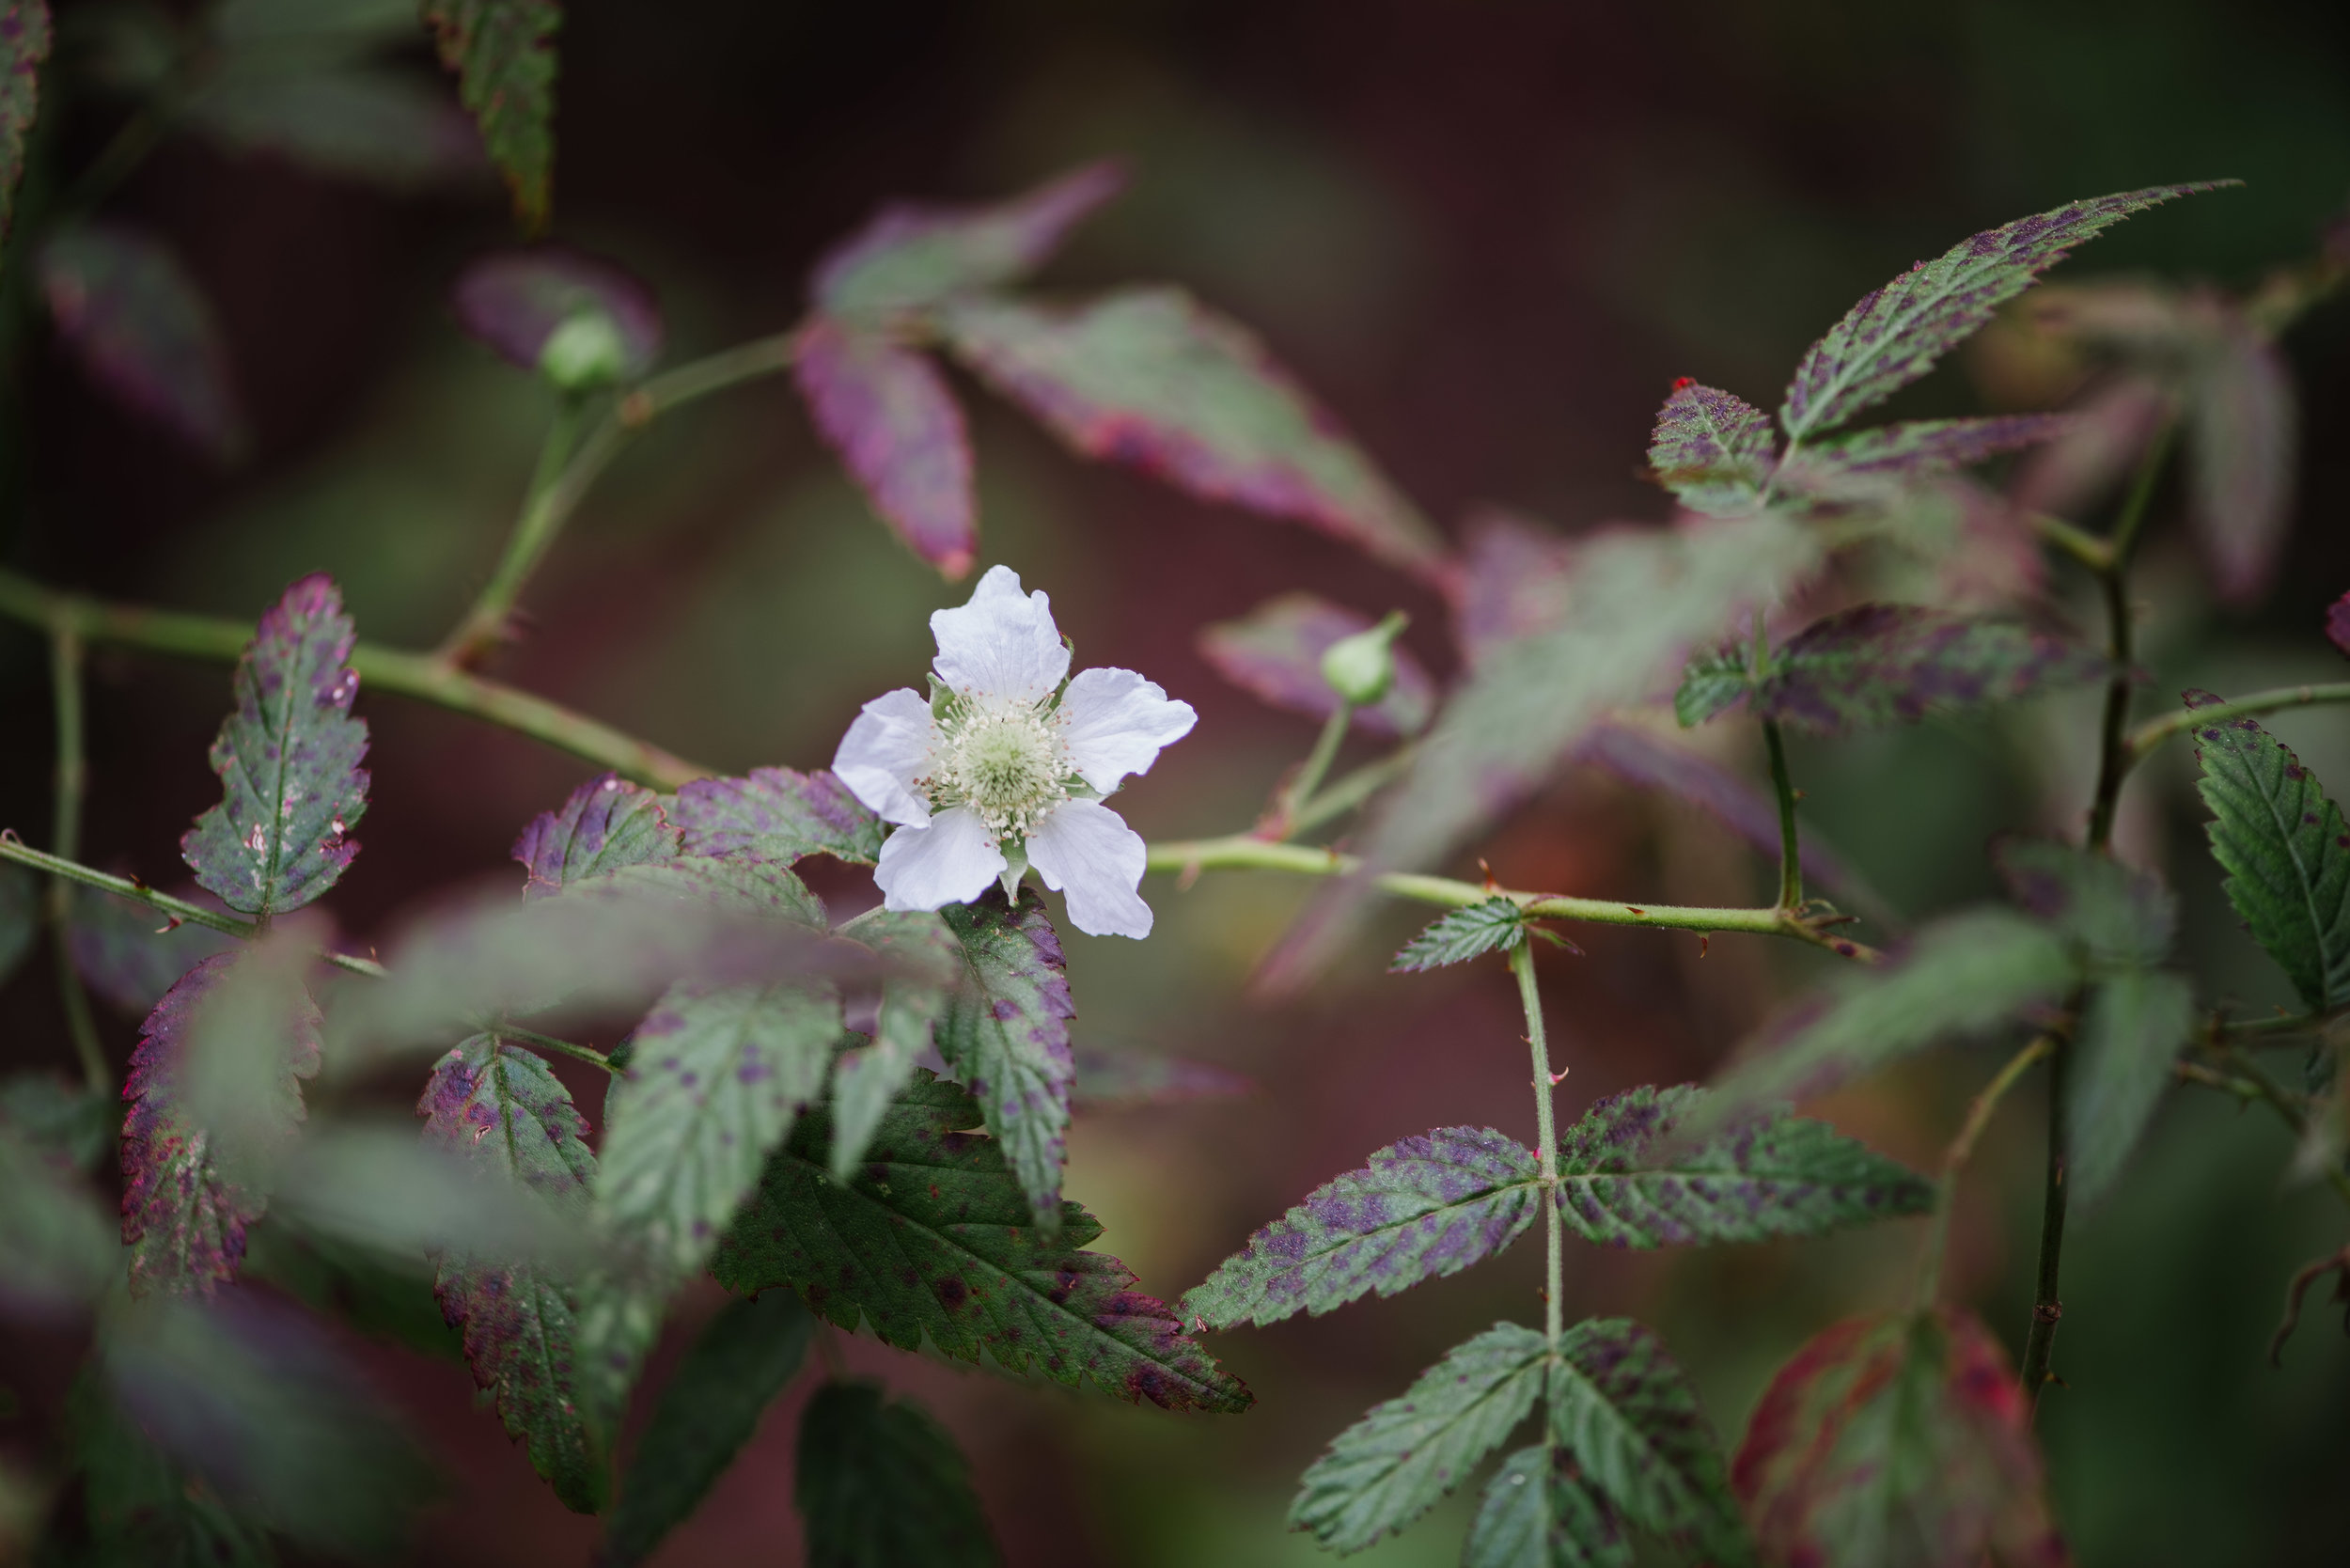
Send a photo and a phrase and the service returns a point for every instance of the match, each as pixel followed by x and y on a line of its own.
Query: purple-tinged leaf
pixel 356 123
pixel 1421 1209
pixel 1896 333
pixel 130 954
pixel 23 45
pixel 497 1107
pixel 1131 1081
pixel 1919 447
pixel 867 1078
pixel 1151 377
pixel 2110 431
pixel 606 823
pixel 1714 680
pixel 778 815
pixel 1962 546
pixel 912 255
pixel 1623 1408
pixel 144 332
pixel 2242 427
pixel 1539 1511
pixel 2338 623
pixel 1393 1465
pixel 1274 653
pixel 1891 664
pixel 1514 581
pixel 503 51
pixel 1624 1179
pixel 1714 450
pixel 289 760
pixel 880 1482
pixel 184 1218
pixel 1006 1030
pixel 2122 917
pixel 512 301
pixel 888 412
pixel 2132 1032
pixel 1900 1442
pixel 933 1236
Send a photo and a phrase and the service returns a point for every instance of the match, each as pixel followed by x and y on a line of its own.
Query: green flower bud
pixel 1361 667
pixel 584 353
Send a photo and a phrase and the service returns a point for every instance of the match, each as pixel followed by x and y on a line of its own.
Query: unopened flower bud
pixel 1361 667
pixel 584 353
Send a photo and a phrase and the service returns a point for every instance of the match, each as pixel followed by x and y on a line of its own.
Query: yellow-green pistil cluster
pixel 1006 763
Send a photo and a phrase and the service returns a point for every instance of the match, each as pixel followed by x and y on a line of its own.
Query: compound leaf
pixel 1540 1512
pixel 23 45
pixel 888 412
pixel 776 814
pixel 880 1484
pixel 503 51
pixel 144 332
pixel 1714 450
pixel 2131 1032
pixel 909 255
pixel 607 823
pixel 1274 653
pixel 1626 1411
pixel 1006 1030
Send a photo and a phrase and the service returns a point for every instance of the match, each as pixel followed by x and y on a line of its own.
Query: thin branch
pixel 1790 848
pixel 1281 821
pixel 65 841
pixel 1353 789
pixel 2153 732
pixel 1546 1140
pixel 1962 1149
pixel 550 1042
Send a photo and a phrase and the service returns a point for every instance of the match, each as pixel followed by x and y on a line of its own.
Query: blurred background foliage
pixel 1490 236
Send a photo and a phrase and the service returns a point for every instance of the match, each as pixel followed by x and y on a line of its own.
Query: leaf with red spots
pixel 1151 378
pixel 1899 1441
pixel 1714 450
pixel 1896 333
pixel 144 332
pixel 1626 1411
pixel 1275 653
pixel 912 255
pixel 503 51
pixel 1540 1512
pixel 1626 1181
pixel 513 301
pixel 289 762
pixel 498 1106
pixel 779 815
pixel 1421 1209
pixel 1006 1031
pixel 606 823
pixel 23 45
pixel 184 1214
pixel 1393 1465
pixel 934 1236
pixel 2285 850
pixel 880 1482
pixel 888 412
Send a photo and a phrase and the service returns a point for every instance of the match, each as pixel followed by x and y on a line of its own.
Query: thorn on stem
pixel 1641 912
pixel 1705 940
pixel 1185 878
pixel 170 925
pixel 1558 1078
pixel 1490 885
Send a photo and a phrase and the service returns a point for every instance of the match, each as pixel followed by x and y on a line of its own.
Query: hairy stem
pixel 65 841
pixel 1547 1137
pixel 2154 731
pixel 485 624
pixel 1353 789
pixel 1790 849
pixel 1962 1149
pixel 2253 1075
pixel 550 1042
pixel 1282 819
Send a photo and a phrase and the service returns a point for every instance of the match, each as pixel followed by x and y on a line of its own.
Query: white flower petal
pixel 1086 850
pixel 1003 643
pixel 952 861
pixel 886 750
pixel 1116 723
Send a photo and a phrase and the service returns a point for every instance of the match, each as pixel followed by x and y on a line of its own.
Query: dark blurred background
pixel 1490 235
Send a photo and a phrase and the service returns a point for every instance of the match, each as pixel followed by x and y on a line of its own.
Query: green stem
pixel 1547 1141
pixel 420 676
pixel 485 625
pixel 2153 732
pixel 1282 820
pixel 1954 1160
pixel 65 841
pixel 1354 788
pixel 2083 546
pixel 1790 849
pixel 2267 1088
pixel 549 1042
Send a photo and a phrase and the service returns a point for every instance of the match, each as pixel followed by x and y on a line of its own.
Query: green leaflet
pixel 1390 1467
pixel 933 1236
pixel 605 824
pixel 1539 1512
pixel 868 1078
pixel 1496 926
pixel 141 1509
pixel 503 51
pixel 2286 851
pixel 1714 680
pixel 1626 1413
pixel 775 814
pixel 1714 450
pixel 2131 1033
pixel 1006 1031
pixel 881 1485
pixel 2119 914
pixel 71 1125
pixel 709 1410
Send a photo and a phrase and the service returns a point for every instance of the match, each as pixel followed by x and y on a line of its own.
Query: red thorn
pixel 1704 938
pixel 1559 1078
pixel 1641 912
pixel 1679 382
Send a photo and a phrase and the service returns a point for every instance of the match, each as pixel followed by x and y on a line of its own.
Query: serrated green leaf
pixel 140 1507
pixel 868 1076
pixel 606 823
pixel 2131 1032
pixel 779 815
pixel 1714 680
pixel 23 45
pixel 881 1484
pixel 1496 926
pixel 1422 1208
pixel 716 1081
pixel 2119 914
pixel 1626 1180
pixel 1626 1411
pixel 1393 1465
pixel 503 51
pixel 499 1107
pixel 1714 450
pixel 709 1410
pixel 2285 850
pixel 933 1236
pixel 289 760
pixel 1539 1512
pixel 1006 1032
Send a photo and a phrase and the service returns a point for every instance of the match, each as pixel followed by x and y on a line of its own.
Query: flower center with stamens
pixel 1006 763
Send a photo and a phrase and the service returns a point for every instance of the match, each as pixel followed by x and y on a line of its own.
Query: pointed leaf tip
pixel 888 412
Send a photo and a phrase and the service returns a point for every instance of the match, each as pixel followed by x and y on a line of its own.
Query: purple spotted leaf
pixel 1896 333
pixel 503 53
pixel 1006 1032
pixel 498 1108
pixel 1393 1465
pixel 513 301
pixel 2285 849
pixel 1626 1181
pixel 143 330
pixel 184 1214
pixel 23 45
pixel 289 762
pixel 1274 653
pixel 1151 378
pixel 1891 664
pixel 2242 429
pixel 776 814
pixel 1714 450
pixel 1539 1511
pixel 1852 465
pixel 1626 1413
pixel 717 1077
pixel 934 1237
pixel 1421 1209
pixel 1897 1440
pixel 912 255
pixel 890 414
pixel 927 957
pixel 607 823
pixel 2338 623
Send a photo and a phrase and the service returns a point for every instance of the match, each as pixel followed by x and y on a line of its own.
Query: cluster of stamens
pixel 1004 761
